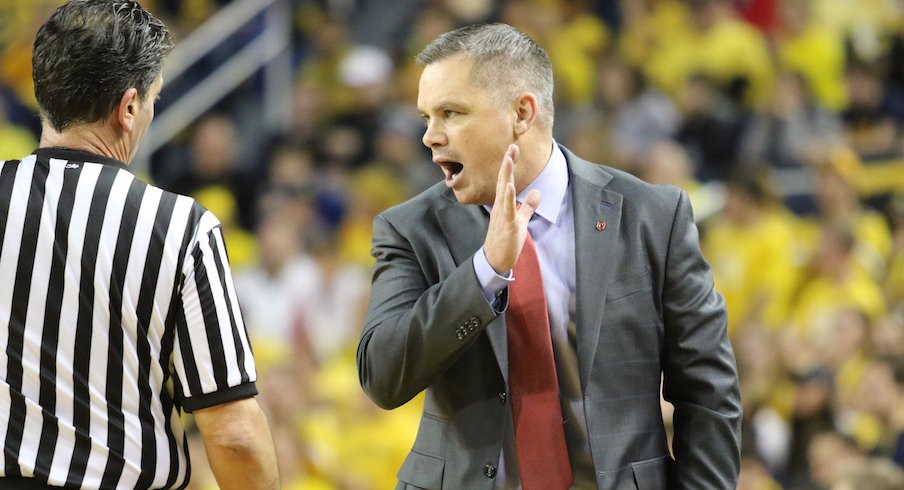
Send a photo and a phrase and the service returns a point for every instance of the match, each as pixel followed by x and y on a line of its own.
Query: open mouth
pixel 452 171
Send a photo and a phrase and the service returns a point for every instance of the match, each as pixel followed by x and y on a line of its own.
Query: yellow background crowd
pixel 783 119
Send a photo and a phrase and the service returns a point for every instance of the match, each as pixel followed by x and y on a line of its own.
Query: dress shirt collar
pixel 552 184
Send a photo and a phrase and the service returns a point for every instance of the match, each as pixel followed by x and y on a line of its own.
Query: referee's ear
pixel 128 109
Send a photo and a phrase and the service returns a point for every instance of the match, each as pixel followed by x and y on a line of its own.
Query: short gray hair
pixel 505 59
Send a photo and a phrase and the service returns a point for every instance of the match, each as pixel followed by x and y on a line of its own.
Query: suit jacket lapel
pixel 597 217
pixel 464 228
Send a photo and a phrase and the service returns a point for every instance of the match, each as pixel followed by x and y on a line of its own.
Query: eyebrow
pixel 447 105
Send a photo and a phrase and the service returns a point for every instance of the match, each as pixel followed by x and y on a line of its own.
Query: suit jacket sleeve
pixel 699 373
pixel 416 327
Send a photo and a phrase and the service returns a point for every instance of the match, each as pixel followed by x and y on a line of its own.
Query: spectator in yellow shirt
pixel 894 277
pixel 720 46
pixel 816 52
pixel 841 207
pixel 837 283
pixel 648 26
pixel 749 245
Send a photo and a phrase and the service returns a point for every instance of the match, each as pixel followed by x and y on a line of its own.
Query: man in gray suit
pixel 630 299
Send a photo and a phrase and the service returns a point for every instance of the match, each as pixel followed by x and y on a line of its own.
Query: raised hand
pixel 508 222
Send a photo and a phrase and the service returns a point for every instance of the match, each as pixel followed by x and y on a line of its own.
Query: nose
pixel 433 135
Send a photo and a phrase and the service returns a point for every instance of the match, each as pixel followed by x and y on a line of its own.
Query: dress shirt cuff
pixel 491 283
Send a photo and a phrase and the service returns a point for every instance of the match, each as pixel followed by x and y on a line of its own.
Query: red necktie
pixel 539 432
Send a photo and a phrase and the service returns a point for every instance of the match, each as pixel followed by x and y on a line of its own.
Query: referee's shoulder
pixel 199 216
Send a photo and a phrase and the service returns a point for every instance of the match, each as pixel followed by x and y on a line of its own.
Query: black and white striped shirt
pixel 117 310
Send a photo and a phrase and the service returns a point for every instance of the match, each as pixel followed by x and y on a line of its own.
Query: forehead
pixel 448 81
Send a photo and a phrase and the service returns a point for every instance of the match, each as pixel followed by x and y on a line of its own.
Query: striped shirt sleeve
pixel 213 356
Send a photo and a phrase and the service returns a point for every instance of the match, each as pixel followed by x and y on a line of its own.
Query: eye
pixel 449 113
pixel 425 119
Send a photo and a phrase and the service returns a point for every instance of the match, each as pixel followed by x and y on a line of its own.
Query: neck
pixel 535 155
pixel 93 138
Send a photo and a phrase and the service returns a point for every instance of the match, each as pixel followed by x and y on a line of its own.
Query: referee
pixel 117 307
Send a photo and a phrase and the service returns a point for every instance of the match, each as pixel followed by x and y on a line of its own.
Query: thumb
pixel 530 203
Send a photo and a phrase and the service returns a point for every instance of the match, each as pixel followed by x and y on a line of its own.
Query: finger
pixel 505 176
pixel 506 179
pixel 509 160
pixel 509 205
pixel 514 151
pixel 530 203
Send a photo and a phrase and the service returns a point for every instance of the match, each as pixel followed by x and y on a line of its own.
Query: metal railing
pixel 269 51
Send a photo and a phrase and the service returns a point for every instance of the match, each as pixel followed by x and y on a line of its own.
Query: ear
pixel 127 109
pixel 525 112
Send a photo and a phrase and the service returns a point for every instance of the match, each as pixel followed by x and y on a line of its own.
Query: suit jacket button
pixel 502 397
pixel 489 471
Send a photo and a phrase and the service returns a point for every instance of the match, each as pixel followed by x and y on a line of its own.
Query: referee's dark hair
pixel 89 53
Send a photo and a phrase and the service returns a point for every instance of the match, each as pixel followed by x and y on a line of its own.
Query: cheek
pixel 483 146
pixel 482 153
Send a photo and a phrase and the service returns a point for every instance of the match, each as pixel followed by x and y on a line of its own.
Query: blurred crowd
pixel 783 119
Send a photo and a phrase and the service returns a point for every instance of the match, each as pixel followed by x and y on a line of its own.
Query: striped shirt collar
pixel 78 156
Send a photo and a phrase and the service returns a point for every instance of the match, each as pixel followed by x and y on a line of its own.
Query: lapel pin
pixel 600 225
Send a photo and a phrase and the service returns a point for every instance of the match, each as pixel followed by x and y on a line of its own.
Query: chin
pixel 462 197
pixel 470 198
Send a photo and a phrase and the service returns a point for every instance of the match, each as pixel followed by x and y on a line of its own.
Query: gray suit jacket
pixel 646 308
